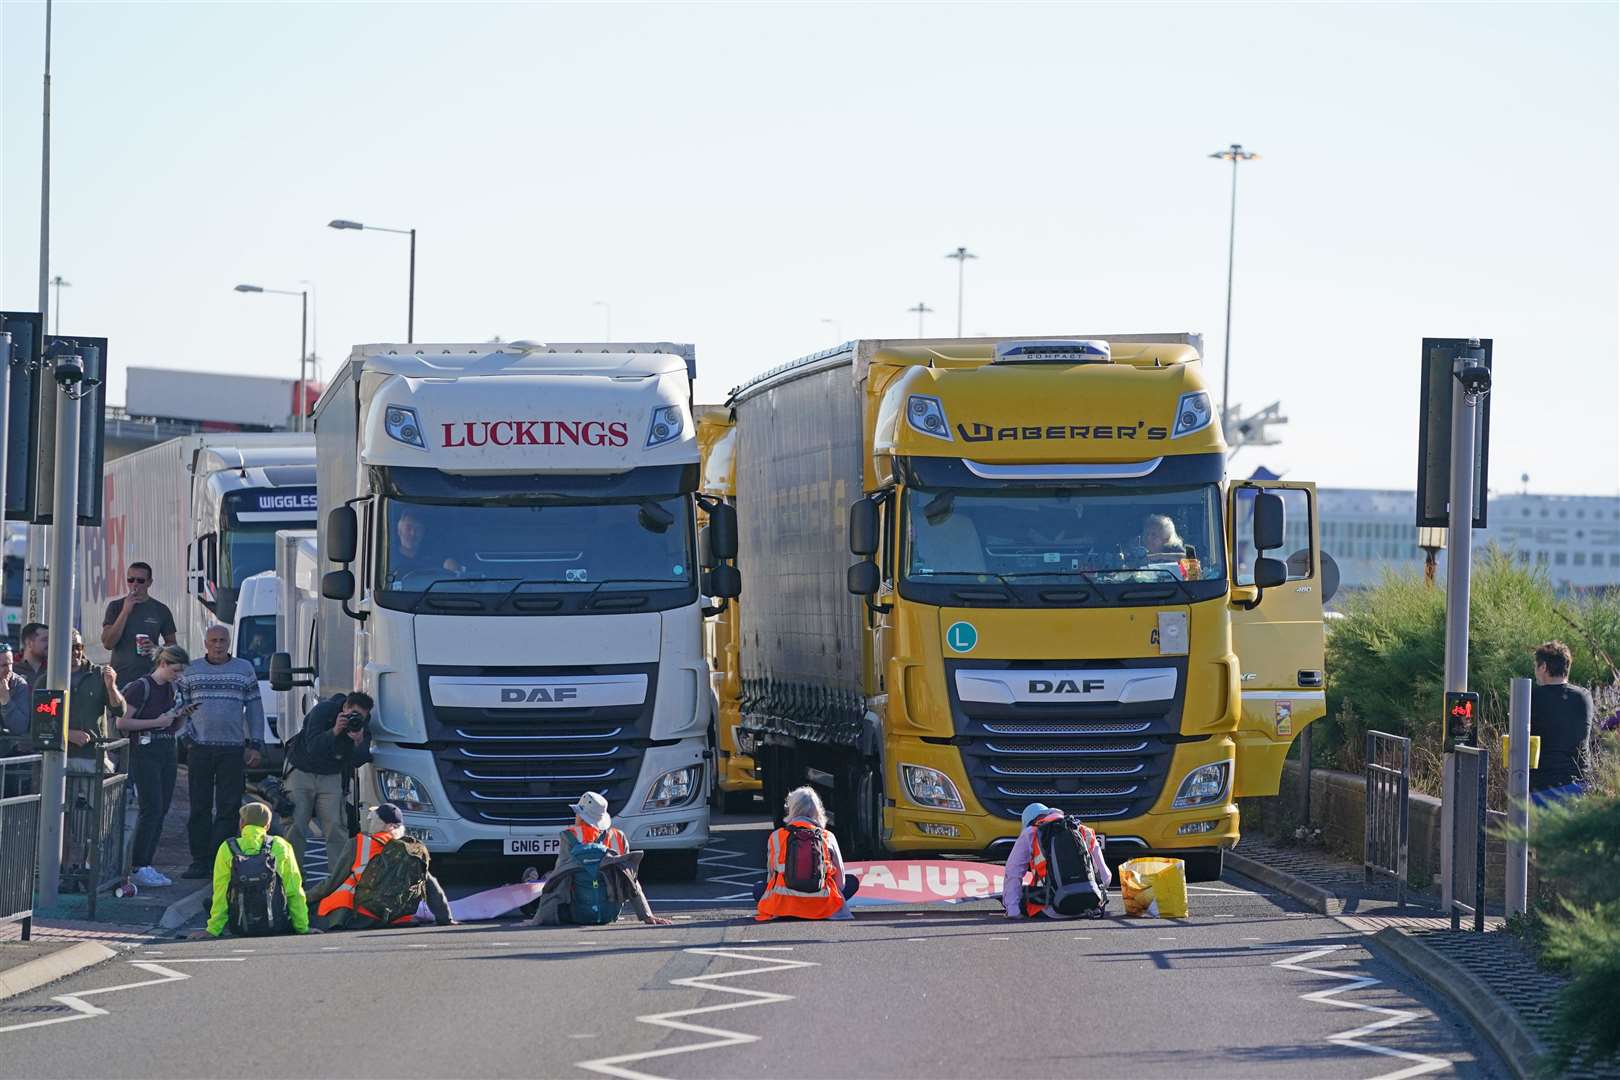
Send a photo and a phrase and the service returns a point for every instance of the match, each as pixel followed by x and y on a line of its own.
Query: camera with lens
pixel 276 795
pixel 353 720
pixel 1475 378
pixel 69 369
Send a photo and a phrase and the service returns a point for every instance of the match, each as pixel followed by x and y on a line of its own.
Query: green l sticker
pixel 961 637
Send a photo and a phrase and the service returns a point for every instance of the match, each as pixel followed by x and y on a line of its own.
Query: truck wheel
pixel 1205 865
pixel 861 808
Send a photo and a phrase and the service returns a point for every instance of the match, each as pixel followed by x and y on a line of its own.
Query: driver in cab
pixel 414 549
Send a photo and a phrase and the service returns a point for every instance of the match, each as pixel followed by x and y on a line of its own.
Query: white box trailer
pixel 211 397
pixel 297 620
pixel 202 510
pixel 508 531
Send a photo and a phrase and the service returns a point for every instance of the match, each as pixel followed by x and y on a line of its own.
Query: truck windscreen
pixel 554 548
pixel 1089 537
pixel 256 640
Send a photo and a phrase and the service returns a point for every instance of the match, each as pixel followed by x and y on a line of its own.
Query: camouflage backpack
pixel 394 883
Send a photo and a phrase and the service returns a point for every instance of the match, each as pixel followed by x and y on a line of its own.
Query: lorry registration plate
pixel 532 845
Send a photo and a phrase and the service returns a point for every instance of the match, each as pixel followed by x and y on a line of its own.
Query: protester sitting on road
pixel 1027 856
pixel 257 887
pixel 1561 715
pixel 379 879
pixel 334 741
pixel 152 721
pixel 596 873
pixel 804 870
pixel 35 639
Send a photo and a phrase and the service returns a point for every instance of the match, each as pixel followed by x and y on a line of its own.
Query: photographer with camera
pixel 334 741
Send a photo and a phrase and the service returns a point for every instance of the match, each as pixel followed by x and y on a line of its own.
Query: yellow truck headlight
pixel 930 788
pixel 1204 785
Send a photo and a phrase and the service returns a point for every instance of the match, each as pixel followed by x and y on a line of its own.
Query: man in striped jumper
pixel 223 738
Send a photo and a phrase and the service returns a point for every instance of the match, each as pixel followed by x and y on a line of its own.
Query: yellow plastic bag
pixel 1154 887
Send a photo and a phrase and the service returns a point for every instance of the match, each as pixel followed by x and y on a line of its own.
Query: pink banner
pixel 924 881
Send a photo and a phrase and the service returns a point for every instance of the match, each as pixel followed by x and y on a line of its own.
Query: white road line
pixel 83 1010
pixel 736 875
pixel 1423 1063
pixel 916 939
pixel 719 1037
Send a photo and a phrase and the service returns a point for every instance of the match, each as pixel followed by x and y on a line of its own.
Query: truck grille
pixel 1101 761
pixel 522 768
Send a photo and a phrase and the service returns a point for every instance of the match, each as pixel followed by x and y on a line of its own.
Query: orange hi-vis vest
pixel 781 900
pixel 1037 857
pixel 343 896
pixel 610 838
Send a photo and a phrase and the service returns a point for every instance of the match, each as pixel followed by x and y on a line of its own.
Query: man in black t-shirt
pixel 1561 715
pixel 134 625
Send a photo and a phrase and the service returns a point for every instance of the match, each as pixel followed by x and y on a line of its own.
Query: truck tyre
pixel 860 809
pixel 1204 865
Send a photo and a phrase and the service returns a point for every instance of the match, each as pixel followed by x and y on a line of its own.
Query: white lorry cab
pixel 508 537
pixel 253 638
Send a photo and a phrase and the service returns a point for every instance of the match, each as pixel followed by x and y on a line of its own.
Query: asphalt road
pixel 1247 987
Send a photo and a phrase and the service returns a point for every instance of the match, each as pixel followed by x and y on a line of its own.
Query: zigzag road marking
pixel 719 1037
pixel 1423 1063
pixel 83 1010
pixel 723 858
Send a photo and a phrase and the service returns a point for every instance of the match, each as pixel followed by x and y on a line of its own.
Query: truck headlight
pixel 666 425
pixel 675 788
pixel 926 414
pixel 930 788
pixel 1193 413
pixel 402 426
pixel 1204 785
pixel 404 791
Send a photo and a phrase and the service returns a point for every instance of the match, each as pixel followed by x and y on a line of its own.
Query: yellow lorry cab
pixel 1056 595
pixel 735 781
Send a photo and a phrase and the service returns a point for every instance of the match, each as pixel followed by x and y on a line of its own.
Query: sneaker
pixel 150 878
pixel 196 870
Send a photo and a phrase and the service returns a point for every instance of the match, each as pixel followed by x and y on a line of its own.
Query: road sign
pixel 1434 434
pixel 962 637
pixel 47 725
pixel 1462 719
pixel 92 396
pixel 22 405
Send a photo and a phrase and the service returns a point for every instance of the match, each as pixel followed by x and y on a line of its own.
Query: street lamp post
pixel 920 309
pixel 303 343
pixel 58 282
pixel 1234 153
pixel 961 255
pixel 410 302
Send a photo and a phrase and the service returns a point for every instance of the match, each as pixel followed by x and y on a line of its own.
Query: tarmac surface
pixel 1249 986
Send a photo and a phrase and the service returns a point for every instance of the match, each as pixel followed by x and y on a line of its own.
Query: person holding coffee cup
pixel 134 624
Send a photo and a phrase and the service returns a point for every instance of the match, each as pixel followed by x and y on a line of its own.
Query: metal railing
pixel 1468 837
pixel 19 838
pixel 96 855
pixel 1389 769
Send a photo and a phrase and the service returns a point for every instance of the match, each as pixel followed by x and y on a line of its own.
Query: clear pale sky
pixel 731 175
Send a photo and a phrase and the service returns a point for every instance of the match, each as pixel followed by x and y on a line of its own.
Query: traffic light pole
pixel 1459 581
pixel 59 668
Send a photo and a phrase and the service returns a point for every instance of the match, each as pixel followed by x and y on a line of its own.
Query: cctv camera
pixel 1475 378
pixel 69 370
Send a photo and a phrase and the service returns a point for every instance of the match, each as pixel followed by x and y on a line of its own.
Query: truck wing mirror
pixel 706 559
pixel 1268 521
pixel 342 538
pixel 723 531
pixel 864 579
pixel 337 585
pixel 1270 573
pixel 725 582
pixel 863 534
pixel 281 671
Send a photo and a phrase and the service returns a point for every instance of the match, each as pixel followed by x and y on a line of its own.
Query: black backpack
pixel 1070 887
pixel 254 899
pixel 804 867
pixel 394 883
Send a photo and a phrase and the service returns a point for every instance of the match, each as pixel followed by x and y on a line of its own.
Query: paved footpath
pixel 1249 986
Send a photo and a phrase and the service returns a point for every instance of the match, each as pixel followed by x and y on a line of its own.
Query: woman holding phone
pixel 155 714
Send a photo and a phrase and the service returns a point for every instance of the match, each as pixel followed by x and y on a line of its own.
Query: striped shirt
pixel 229 709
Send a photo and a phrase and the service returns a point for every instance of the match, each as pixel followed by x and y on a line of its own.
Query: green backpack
pixel 394 883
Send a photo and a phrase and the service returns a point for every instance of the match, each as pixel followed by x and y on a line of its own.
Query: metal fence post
pixel 1518 794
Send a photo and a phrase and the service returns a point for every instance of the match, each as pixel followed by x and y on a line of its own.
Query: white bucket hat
pixel 592 809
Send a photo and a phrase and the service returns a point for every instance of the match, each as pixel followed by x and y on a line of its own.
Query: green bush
pixel 1386 657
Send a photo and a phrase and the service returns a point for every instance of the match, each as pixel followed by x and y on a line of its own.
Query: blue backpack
pixel 591 905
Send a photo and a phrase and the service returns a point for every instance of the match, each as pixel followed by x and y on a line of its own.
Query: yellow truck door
pixel 1279 641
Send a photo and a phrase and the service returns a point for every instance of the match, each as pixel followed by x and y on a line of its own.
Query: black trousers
pixel 153 770
pixel 215 781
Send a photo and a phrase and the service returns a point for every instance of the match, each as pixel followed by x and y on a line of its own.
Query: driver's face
pixel 410 532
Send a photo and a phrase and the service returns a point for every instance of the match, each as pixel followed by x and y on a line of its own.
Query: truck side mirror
pixel 1270 573
pixel 281 671
pixel 1268 522
pixel 725 582
pixel 723 531
pixel 863 534
pixel 342 538
pixel 706 559
pixel 863 578
pixel 337 585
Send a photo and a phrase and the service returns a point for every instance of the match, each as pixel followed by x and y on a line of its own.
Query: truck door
pixel 1278 642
